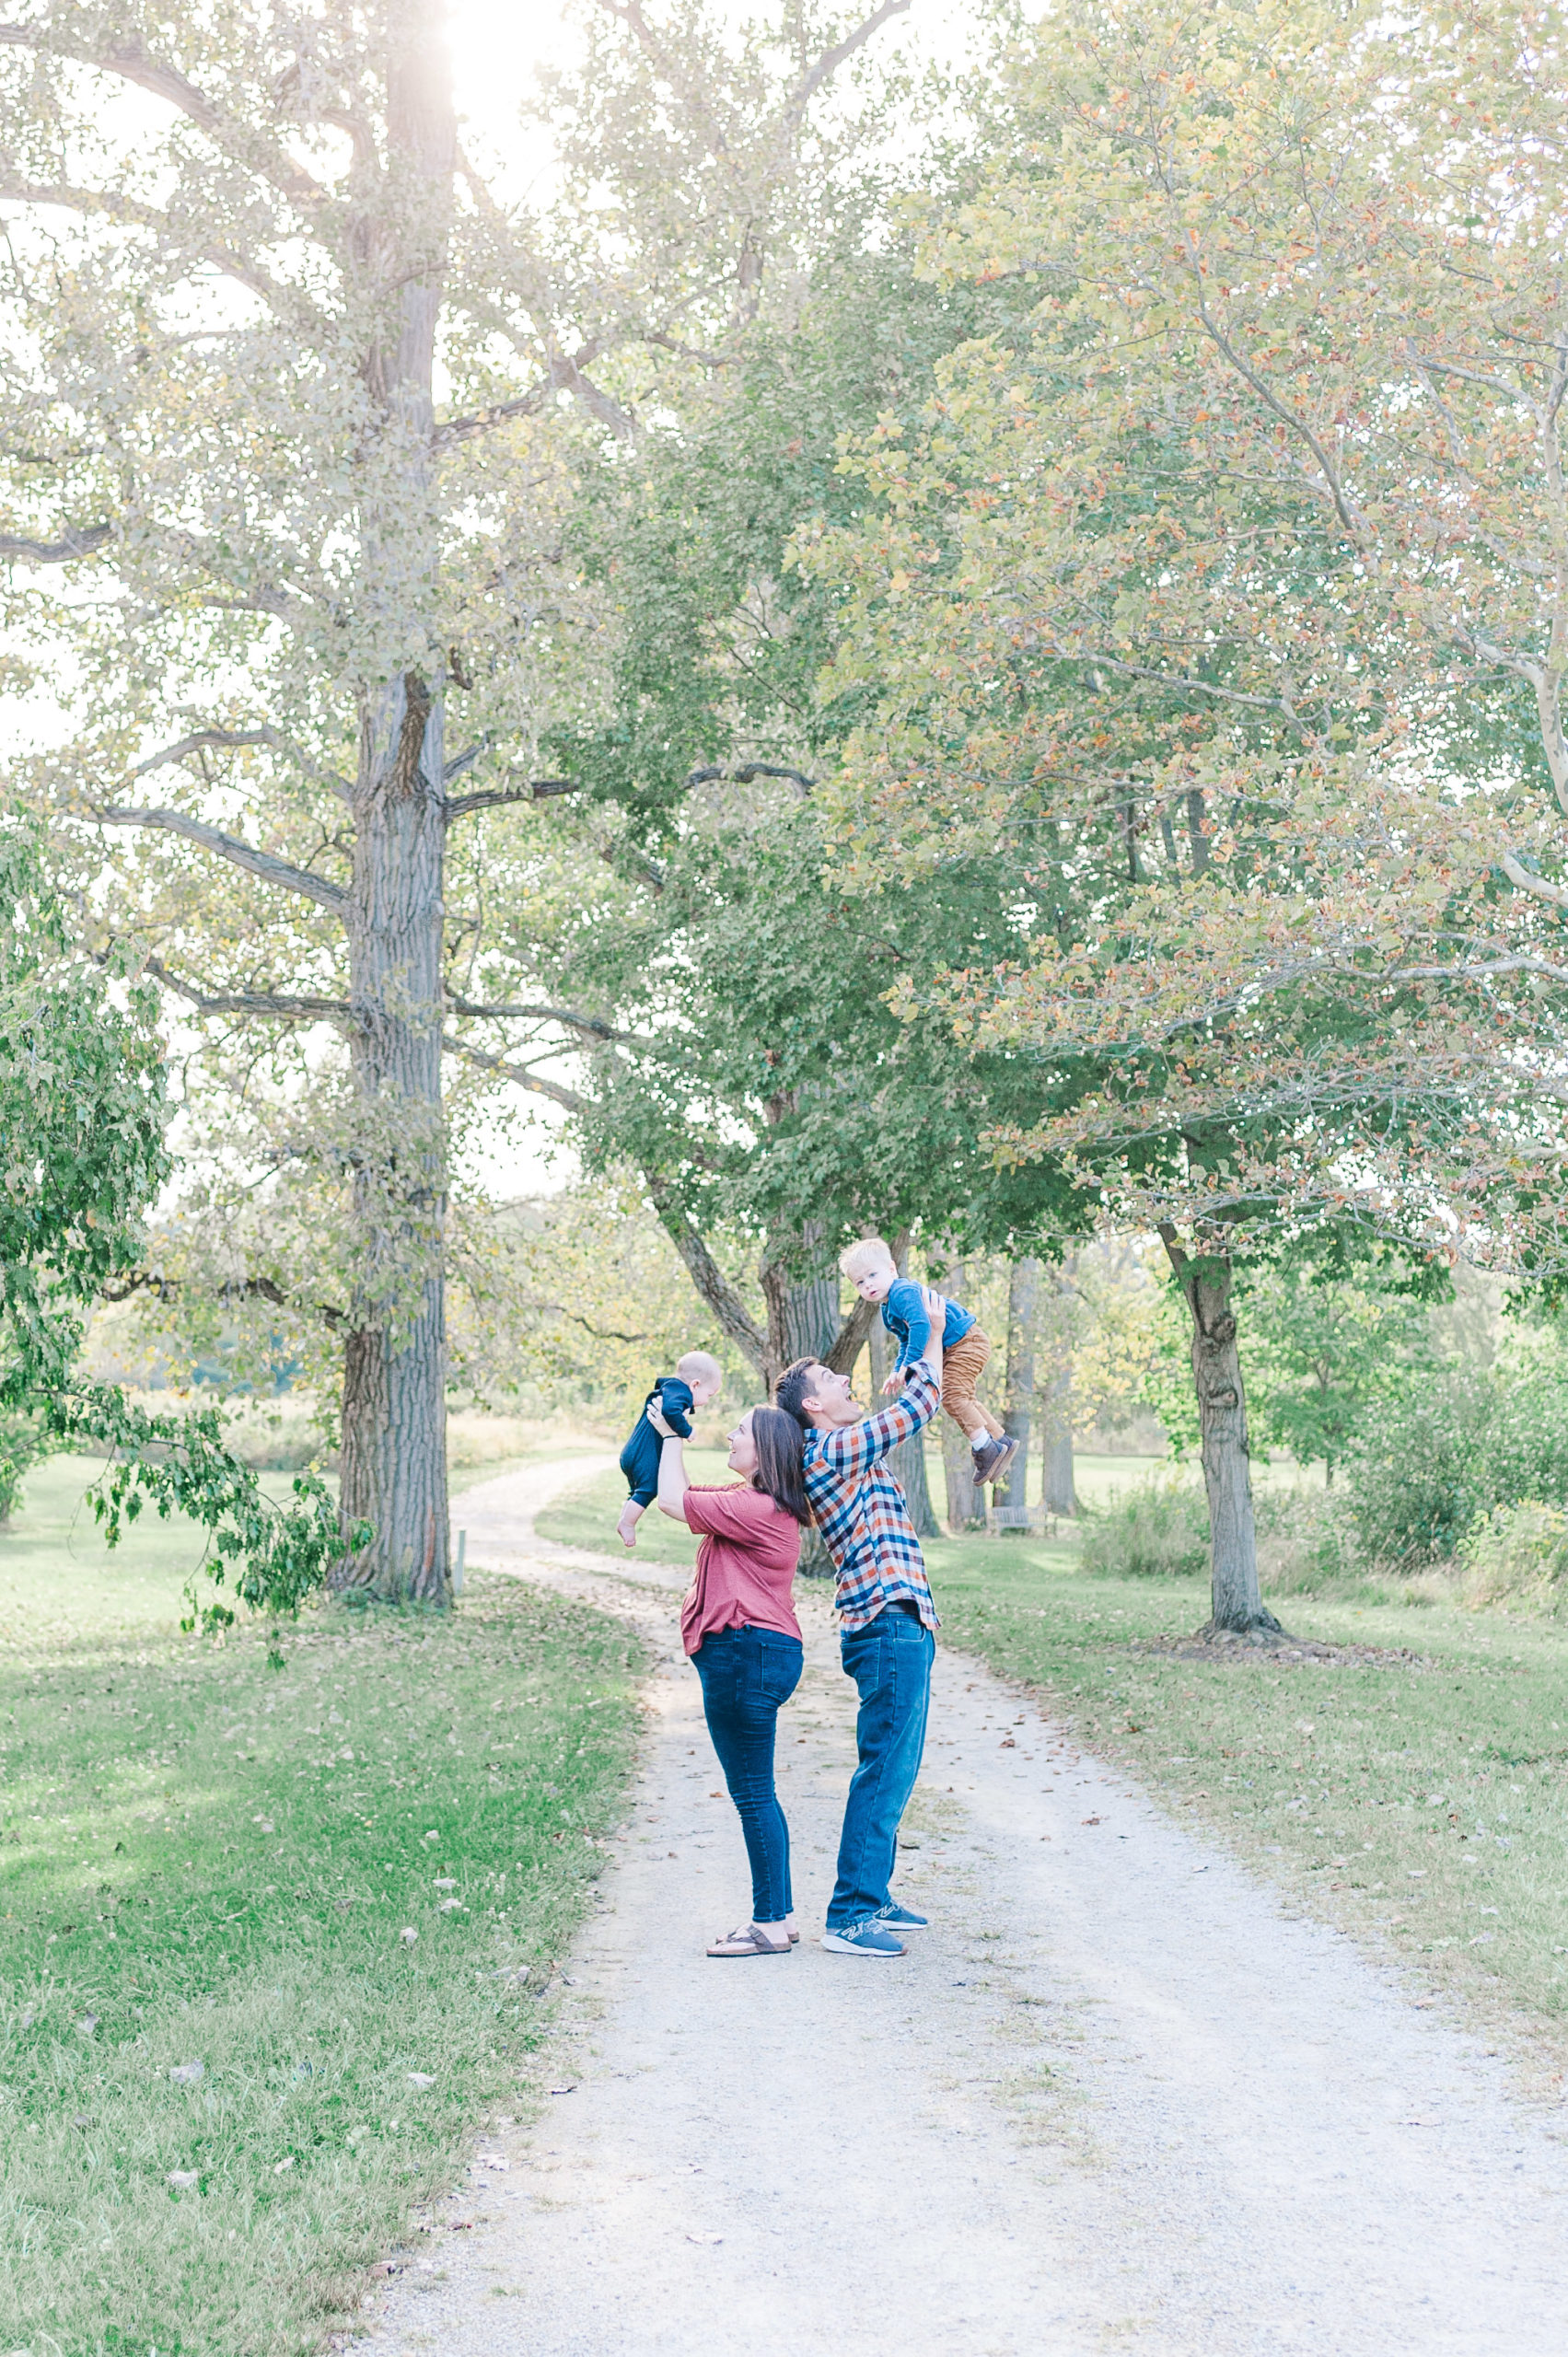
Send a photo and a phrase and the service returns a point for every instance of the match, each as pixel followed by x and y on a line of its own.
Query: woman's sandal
pixel 749 1941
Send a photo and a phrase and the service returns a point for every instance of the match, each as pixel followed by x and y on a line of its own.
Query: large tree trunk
pixel 1058 1491
pixel 394 1418
pixel 966 1505
pixel 803 1323
pixel 1023 1314
pixel 1237 1605
pixel 394 1423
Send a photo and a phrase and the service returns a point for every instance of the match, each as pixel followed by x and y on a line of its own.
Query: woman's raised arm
pixel 672 1482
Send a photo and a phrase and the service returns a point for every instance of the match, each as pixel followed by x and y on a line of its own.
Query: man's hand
pixel 895 1382
pixel 656 1418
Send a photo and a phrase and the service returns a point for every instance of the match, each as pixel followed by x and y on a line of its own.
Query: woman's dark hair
pixel 779 1445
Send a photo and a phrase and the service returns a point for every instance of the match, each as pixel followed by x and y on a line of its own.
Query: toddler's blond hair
pixel 871 1252
pixel 699 1366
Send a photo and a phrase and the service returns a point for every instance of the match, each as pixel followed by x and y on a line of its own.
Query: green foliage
pixel 1324 1347
pixel 83 1105
pixel 1420 1477
pixel 1456 1449
pixel 24 1441
pixel 1158 1530
pixel 1517 1555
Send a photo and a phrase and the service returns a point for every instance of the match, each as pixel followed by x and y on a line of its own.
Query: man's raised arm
pixel 854 1447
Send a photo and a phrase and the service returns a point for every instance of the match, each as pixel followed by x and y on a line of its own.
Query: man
pixel 887 1626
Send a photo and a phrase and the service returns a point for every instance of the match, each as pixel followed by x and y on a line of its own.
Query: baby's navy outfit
pixel 639 1458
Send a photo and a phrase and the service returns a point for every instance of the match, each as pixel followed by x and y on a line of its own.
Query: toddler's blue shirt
pixel 904 1313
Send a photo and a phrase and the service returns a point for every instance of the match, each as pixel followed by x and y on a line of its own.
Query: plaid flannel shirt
pixel 860 1510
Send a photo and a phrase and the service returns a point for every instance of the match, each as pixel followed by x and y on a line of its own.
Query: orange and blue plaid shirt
pixel 860 1509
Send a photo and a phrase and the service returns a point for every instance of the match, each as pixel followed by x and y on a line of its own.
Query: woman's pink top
pixel 745 1565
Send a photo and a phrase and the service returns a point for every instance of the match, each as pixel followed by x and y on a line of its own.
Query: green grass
pixel 586 1516
pixel 204 1861
pixel 1416 1795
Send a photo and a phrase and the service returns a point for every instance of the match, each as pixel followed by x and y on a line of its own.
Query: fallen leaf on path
pixel 704 2238
pixel 1088 1820
pixel 565 2091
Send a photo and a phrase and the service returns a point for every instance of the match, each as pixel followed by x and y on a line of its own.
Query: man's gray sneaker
pixel 870 1938
pixel 992 1461
pixel 900 1918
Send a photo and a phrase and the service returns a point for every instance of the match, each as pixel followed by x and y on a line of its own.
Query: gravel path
pixel 1114 2099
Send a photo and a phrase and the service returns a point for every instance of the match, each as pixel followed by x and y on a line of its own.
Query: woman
pixel 740 1628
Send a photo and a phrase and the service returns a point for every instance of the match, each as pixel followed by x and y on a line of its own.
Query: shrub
pixel 1517 1555
pixel 1418 1483
pixel 1158 1530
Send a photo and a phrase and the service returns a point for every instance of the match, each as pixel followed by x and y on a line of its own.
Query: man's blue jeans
pixel 890 1661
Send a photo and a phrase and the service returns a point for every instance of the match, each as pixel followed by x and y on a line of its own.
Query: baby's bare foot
pixel 627 1526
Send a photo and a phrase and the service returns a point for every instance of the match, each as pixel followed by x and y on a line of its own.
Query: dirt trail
pixel 1114 2099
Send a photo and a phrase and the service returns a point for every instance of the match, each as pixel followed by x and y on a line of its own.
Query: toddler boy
pixel 910 1311
pixel 695 1381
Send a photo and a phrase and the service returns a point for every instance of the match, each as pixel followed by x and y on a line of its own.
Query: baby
pixel 910 1310
pixel 695 1381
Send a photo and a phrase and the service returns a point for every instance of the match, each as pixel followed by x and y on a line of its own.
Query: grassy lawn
pixel 1414 1791
pixel 226 2073
pixel 586 1516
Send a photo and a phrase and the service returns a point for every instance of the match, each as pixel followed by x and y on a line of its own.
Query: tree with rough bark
pixel 294 408
pixel 1023 1336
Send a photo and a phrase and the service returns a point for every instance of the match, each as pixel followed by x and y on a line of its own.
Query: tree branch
pixel 272 870
pixel 135 1281
pixel 289 1010
pixel 1556 893
pixel 114 207
pixel 228 739
pixel 851 1337
pixel 74 542
pixel 557 1093
pixel 735 1320
pixel 564 372
pixel 1282 410
pixel 595 1024
pixel 132 63
pixel 749 770
pixel 539 789
pixel 831 59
